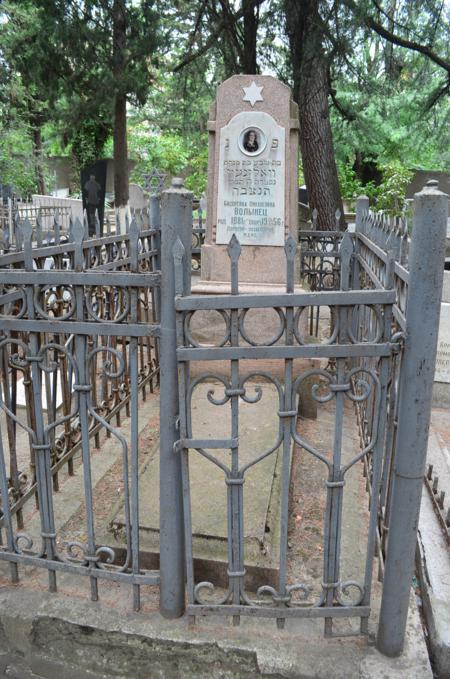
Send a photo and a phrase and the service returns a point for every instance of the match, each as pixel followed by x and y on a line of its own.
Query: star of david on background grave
pixel 253 93
pixel 154 181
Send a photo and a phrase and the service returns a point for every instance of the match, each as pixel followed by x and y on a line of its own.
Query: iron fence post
pixel 426 265
pixel 176 222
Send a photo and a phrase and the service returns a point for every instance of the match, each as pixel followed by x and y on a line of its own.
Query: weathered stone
pixel 137 197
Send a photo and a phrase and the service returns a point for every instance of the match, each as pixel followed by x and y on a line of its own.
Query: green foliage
pixel 352 187
pixel 391 192
pixel 388 195
pixel 16 166
pixel 58 74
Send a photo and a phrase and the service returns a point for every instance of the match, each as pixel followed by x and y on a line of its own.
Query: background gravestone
pixel 93 188
pixel 252 179
pixel 137 198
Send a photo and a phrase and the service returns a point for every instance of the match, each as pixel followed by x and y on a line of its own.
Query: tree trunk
pixel 37 153
pixel 311 89
pixel 121 185
pixel 250 10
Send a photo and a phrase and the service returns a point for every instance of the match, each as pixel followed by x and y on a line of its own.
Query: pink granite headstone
pixel 252 179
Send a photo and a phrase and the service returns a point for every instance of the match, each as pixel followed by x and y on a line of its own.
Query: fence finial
pixel 77 231
pixel 134 243
pixel 234 252
pixel 234 248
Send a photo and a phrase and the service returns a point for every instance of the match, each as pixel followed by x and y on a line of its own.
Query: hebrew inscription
pixel 251 188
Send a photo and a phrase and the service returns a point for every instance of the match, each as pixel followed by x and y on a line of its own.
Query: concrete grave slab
pixel 208 489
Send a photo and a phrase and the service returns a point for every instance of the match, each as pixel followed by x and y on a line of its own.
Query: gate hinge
pixel 398 342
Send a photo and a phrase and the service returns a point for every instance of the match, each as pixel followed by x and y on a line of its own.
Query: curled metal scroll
pixel 211 588
pixel 343 590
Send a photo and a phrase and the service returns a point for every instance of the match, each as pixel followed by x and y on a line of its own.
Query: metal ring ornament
pixel 266 343
pixel 119 315
pixel 298 335
pixel 375 309
pixel 188 334
pixel 66 298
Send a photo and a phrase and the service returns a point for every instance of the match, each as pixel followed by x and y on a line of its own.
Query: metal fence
pixel 92 315
pixel 79 322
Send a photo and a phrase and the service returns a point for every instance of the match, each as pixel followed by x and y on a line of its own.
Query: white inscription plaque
pixel 251 196
pixel 442 372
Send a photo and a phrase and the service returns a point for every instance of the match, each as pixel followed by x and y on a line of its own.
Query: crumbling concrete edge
pixel 47 636
pixel 433 570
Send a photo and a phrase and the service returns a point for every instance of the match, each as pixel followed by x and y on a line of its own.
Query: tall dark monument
pixel 93 188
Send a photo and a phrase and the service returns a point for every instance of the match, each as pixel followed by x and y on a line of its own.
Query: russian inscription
pixel 251 195
pixel 442 372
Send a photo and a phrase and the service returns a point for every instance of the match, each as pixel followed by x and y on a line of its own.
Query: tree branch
pixel 397 40
pixel 208 44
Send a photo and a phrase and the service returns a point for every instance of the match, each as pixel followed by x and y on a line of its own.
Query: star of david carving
pixel 253 93
pixel 154 181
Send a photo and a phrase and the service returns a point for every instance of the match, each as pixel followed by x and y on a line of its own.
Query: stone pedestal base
pixel 261 265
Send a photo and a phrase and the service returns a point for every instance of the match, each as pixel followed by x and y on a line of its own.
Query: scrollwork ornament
pixel 23 543
pixel 287 598
pixel 211 588
pixel 206 378
pixel 16 360
pixel 343 590
pixel 107 365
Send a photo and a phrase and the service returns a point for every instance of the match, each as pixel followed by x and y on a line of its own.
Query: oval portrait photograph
pixel 252 141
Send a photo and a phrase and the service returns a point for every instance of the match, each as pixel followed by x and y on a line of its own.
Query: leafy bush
pixel 352 187
pixel 390 195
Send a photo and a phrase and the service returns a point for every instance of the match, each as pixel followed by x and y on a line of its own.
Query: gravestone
pixel 137 198
pixel 252 180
